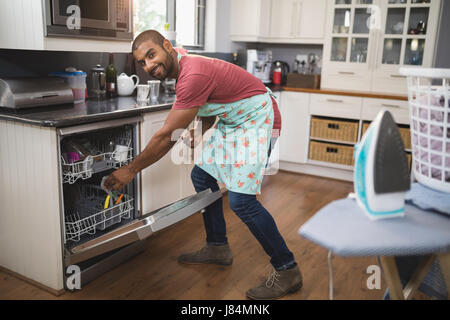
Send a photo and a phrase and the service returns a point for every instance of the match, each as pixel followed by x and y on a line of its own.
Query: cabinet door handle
pixel 335 100
pixel 293 18
pixel 346 72
pixel 299 12
pixel 391 105
pixel 397 76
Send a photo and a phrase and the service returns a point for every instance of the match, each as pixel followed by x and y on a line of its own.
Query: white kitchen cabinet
pixel 166 181
pixel 278 21
pixel 369 40
pixel 300 21
pixel 30 219
pixel 250 20
pixel 22 26
pixel 294 109
pixel 399 109
pixel 335 106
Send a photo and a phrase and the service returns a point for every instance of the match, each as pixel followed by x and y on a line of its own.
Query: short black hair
pixel 152 35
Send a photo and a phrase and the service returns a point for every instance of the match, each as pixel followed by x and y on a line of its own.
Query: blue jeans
pixel 251 212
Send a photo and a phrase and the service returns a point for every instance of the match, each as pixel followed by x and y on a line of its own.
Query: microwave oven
pixel 99 19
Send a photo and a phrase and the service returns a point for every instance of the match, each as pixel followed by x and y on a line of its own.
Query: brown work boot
pixel 209 254
pixel 277 285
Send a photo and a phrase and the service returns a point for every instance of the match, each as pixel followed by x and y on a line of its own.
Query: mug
pixel 143 92
pixel 121 153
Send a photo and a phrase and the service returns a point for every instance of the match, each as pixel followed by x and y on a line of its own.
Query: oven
pixel 101 230
pixel 100 19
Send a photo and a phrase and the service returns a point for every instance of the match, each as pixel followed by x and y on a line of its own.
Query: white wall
pixel 217 33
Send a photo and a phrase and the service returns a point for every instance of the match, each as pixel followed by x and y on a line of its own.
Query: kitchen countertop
pixel 91 110
pixel 348 93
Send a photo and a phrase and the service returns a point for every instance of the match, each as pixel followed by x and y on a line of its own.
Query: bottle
pixel 277 74
pixel 111 77
pixel 235 58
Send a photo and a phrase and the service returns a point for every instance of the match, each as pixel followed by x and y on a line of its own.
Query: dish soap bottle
pixel 111 78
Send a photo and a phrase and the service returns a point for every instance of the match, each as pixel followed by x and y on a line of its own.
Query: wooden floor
pixel 155 274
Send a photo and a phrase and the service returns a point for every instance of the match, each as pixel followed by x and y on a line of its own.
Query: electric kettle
pixel 126 85
pixel 276 65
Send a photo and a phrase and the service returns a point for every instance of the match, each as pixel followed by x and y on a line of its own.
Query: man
pixel 236 153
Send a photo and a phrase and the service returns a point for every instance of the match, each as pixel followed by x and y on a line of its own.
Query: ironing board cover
pixel 342 228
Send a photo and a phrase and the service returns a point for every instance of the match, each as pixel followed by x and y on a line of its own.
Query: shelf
pixel 332 141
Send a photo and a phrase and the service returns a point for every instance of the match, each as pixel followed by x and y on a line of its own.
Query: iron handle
pixel 346 72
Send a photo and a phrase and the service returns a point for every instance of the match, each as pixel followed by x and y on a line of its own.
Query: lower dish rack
pixel 90 215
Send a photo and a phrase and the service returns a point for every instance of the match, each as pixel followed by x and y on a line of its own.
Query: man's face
pixel 154 59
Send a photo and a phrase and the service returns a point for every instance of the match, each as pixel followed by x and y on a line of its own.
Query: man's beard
pixel 167 66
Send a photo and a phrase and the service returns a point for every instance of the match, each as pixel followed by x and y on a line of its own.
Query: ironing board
pixel 345 230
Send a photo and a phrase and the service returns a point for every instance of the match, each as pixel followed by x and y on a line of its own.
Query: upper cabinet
pixel 23 25
pixel 368 40
pixel 278 21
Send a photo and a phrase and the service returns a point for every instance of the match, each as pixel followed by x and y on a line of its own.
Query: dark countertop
pixel 91 110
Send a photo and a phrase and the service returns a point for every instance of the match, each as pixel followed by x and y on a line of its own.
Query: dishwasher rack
pixel 89 214
pixel 98 162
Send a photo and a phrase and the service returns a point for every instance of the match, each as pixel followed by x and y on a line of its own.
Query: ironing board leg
pixel 444 259
pixel 392 278
pixel 418 276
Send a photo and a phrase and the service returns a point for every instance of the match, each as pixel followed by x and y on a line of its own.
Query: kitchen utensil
pixel 154 89
pixel 143 92
pixel 126 85
pixel 381 176
pixel 98 81
pixel 108 197
pixel 118 199
pixel 169 86
pixel 120 153
pixel 282 69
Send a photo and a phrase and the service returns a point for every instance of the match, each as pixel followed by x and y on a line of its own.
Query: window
pixel 186 17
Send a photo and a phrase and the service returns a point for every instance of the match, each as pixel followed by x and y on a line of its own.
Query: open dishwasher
pixel 101 230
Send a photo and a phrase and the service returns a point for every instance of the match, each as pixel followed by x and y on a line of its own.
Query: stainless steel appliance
pixel 101 233
pixel 101 19
pixel 259 64
pixel 18 93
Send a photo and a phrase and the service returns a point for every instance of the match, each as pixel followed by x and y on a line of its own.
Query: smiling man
pixel 235 155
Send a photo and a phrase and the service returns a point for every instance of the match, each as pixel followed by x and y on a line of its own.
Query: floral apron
pixel 237 151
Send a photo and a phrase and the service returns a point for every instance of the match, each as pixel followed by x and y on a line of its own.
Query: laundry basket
pixel 429 109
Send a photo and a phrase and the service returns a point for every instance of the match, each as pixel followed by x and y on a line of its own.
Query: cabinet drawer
pixel 405 133
pixel 333 129
pixel 398 109
pixel 335 106
pixel 330 152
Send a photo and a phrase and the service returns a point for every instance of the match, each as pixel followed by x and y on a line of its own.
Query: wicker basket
pixel 330 152
pixel 337 130
pixel 405 133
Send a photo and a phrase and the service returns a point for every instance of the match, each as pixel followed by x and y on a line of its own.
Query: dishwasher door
pixel 142 228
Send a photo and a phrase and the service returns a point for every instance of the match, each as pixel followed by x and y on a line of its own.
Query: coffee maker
pixel 259 63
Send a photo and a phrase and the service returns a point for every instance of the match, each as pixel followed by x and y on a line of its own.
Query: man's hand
pixel 119 178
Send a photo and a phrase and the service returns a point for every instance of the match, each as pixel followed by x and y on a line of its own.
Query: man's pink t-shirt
pixel 204 80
